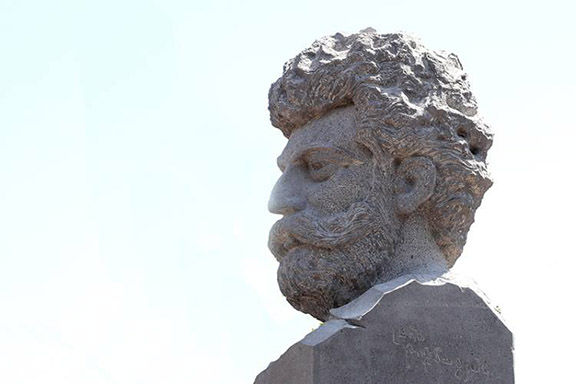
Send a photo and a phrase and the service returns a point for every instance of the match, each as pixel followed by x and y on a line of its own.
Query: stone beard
pixel 326 263
pixel 383 169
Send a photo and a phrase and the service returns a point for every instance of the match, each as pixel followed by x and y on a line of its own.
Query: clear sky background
pixel 136 160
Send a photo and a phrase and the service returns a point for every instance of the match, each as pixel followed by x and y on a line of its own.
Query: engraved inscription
pixel 421 353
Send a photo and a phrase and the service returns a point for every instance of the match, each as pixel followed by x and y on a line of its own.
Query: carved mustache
pixel 329 233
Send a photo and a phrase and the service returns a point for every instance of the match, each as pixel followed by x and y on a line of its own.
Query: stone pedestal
pixel 403 332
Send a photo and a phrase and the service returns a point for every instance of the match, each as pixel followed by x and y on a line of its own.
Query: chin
pixel 316 280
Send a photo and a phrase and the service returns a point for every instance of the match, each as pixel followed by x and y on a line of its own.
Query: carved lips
pixel 281 240
pixel 330 232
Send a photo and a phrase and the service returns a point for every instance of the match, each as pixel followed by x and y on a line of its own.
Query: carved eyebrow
pixel 340 154
pixel 280 163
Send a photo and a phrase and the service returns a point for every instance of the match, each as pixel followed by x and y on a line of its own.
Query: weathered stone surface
pixel 384 167
pixel 403 332
pixel 382 174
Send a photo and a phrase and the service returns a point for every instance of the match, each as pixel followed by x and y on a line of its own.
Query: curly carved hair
pixel 410 101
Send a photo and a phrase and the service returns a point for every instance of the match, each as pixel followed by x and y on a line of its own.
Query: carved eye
pixel 321 170
pixel 322 164
pixel 316 166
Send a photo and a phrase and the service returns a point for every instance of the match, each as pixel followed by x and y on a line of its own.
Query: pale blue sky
pixel 136 159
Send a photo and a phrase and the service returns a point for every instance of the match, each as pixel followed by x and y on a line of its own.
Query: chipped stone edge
pixel 350 314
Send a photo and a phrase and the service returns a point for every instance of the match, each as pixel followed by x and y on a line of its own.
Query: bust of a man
pixel 383 169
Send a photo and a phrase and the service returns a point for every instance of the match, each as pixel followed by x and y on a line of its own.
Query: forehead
pixel 336 129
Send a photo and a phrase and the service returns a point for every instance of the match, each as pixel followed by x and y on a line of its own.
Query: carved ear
pixel 415 183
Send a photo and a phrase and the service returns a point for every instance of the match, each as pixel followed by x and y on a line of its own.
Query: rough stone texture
pixel 383 170
pixel 402 332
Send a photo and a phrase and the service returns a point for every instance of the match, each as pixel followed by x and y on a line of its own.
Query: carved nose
pixel 286 197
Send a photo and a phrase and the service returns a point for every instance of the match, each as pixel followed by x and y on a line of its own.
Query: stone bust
pixel 383 171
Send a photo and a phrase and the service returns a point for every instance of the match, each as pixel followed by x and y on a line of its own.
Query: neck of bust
pixel 417 252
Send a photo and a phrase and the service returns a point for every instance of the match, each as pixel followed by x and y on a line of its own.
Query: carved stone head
pixel 383 170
